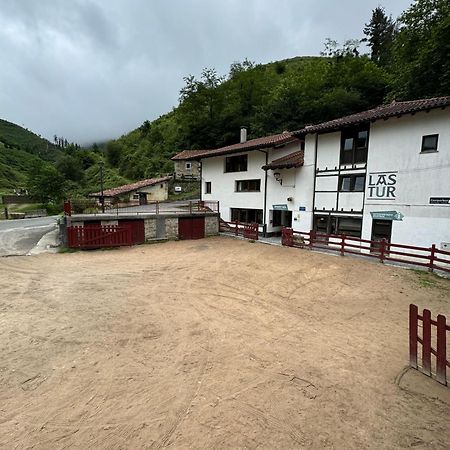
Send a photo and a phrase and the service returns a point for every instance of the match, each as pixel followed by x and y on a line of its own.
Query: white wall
pixel 296 183
pixel 394 146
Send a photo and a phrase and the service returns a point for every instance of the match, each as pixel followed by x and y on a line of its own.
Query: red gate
pixel 251 231
pixel 440 352
pixel 191 227
pixel 99 236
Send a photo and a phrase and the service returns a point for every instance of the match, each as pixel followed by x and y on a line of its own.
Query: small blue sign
pixel 302 208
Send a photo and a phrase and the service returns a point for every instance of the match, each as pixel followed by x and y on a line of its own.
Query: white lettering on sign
pixel 382 186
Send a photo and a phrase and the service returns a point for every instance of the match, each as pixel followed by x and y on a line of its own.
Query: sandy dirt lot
pixel 217 343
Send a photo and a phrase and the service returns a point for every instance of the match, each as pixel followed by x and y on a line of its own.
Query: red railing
pixel 430 257
pixel 440 351
pixel 247 230
pixel 93 236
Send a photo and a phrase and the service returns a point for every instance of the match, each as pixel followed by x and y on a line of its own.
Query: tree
pixel 421 51
pixel 113 153
pixel 46 184
pixel 380 33
pixel 70 168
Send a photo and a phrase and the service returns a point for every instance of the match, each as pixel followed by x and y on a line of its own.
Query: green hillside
pixel 12 135
pixel 15 164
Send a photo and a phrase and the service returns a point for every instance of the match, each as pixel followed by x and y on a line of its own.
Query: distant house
pixel 184 168
pixel 139 193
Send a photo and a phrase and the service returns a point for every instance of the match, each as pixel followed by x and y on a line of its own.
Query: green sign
pixel 387 215
pixel 283 207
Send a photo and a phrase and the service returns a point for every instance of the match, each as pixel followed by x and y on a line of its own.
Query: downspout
pixel 265 194
pixel 315 177
pixel 201 179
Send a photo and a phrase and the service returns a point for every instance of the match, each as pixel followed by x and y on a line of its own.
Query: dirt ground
pixel 217 343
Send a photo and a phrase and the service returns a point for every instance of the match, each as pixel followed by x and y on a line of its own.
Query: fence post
pixel 312 236
pixel 426 342
pixel 441 350
pixel 413 335
pixel 342 244
pixel 382 250
pixel 236 230
pixel 432 256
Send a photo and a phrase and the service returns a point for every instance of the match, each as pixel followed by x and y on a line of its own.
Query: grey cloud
pixel 95 69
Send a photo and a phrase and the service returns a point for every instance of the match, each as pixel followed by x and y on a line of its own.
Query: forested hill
pixel 270 98
pixel 408 58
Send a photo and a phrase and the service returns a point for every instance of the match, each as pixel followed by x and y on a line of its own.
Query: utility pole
pixel 102 198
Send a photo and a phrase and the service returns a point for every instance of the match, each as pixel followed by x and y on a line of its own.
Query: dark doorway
pixel 381 229
pixel 142 198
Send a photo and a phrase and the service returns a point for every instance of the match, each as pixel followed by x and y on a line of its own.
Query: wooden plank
pixel 441 350
pixel 413 322
pixel 426 345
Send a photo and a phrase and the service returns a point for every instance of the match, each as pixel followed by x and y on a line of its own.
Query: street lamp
pixel 102 197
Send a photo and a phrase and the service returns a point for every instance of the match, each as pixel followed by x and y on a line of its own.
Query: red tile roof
pixel 381 112
pixel 130 187
pixel 253 144
pixel 287 162
pixel 187 154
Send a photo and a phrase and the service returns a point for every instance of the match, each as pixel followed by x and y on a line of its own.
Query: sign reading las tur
pixel 382 186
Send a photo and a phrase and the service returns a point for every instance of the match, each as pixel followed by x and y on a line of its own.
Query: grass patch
pixel 431 280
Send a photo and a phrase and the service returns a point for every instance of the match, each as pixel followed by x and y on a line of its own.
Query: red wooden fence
pixel 439 351
pixel 430 257
pixel 97 236
pixel 247 230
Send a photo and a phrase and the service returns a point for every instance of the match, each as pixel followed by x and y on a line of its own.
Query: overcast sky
pixel 90 70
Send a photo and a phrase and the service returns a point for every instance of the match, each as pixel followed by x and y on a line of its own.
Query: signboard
pixel 282 207
pixel 302 208
pixel 382 186
pixel 439 200
pixel 387 215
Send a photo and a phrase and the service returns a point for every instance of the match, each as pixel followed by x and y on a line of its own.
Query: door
pixel 142 198
pixel 191 227
pixel 381 229
pixel 137 230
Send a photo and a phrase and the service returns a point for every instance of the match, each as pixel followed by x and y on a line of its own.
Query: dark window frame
pixel 430 150
pixel 236 163
pixel 353 178
pixel 249 187
pixel 208 187
pixel 357 154
pixel 247 215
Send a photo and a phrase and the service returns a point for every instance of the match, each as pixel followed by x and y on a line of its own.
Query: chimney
pixel 243 134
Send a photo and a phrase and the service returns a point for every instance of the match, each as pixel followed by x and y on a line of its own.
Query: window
pixel 188 166
pixel 247 215
pixel 248 185
pixel 350 226
pixel 430 143
pixel 236 163
pixel 135 196
pixel 354 146
pixel 208 187
pixel 352 183
pixel 161 186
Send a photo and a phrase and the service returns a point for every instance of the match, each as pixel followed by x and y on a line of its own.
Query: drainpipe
pixel 201 179
pixel 315 169
pixel 265 194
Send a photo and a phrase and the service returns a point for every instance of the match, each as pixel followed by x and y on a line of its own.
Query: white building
pixel 382 173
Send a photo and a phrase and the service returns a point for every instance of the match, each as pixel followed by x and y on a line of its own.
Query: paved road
pixel 18 237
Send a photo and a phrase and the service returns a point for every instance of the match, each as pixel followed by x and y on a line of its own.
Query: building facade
pixel 186 169
pixel 139 193
pixel 379 174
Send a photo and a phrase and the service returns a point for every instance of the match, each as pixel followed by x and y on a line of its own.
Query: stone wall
pixel 211 225
pixel 172 228
pixel 150 229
